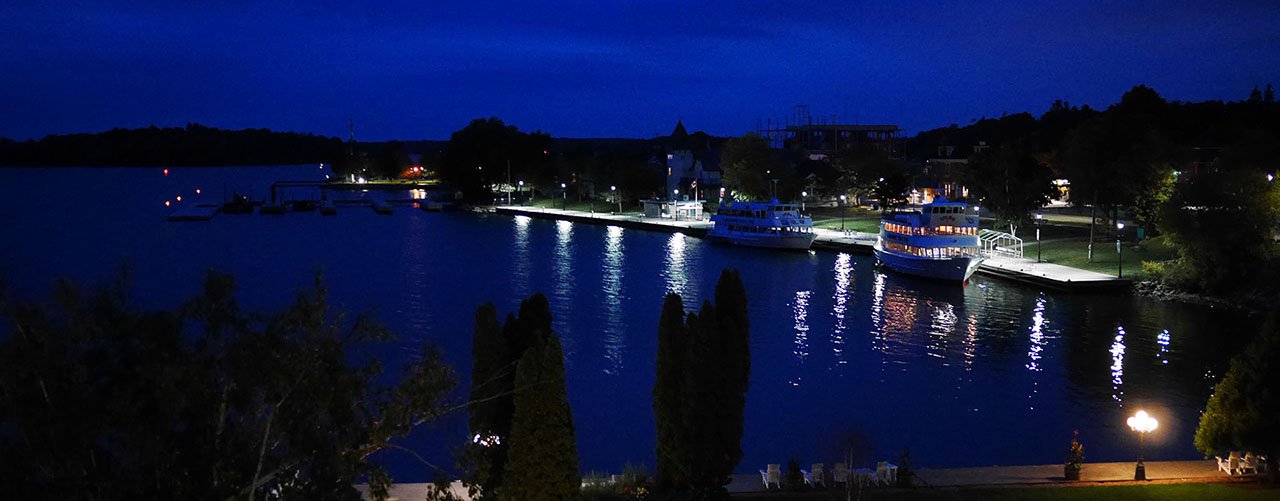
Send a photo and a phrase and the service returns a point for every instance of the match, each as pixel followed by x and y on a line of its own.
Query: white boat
pixel 771 224
pixel 938 241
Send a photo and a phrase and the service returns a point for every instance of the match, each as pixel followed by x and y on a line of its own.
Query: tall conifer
pixel 667 400
pixel 543 459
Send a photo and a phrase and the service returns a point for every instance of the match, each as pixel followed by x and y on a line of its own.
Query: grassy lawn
pixel 1167 492
pixel 1075 253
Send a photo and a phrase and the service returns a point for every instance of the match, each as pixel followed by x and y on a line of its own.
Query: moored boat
pixel 770 224
pixel 938 241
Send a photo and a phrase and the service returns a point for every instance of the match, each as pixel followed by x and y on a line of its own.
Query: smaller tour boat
pixel 762 224
pixel 940 240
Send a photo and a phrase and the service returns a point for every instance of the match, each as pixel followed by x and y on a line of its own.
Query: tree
pixel 543 459
pixel 1244 409
pixel 747 164
pixel 667 402
pixel 476 157
pixel 1009 183
pixel 700 394
pixel 101 400
pixel 495 389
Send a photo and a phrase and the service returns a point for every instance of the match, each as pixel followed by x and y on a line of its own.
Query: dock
pixel 195 212
pixel 1028 271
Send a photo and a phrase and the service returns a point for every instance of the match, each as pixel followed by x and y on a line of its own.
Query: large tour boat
pixel 938 241
pixel 762 224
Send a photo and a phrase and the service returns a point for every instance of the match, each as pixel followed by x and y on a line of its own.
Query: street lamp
pixel 564 194
pixel 1119 250
pixel 614 189
pixel 803 195
pixel 843 209
pixel 1039 217
pixel 521 189
pixel 1143 424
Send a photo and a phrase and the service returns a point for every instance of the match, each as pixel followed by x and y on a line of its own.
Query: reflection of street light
pixel 1039 217
pixel 1143 424
pixel 1119 250
pixel 843 209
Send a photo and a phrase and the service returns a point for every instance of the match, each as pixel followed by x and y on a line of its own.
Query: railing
pixel 999 243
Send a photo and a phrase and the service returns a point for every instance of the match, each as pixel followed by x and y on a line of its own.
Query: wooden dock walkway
pixel 1023 270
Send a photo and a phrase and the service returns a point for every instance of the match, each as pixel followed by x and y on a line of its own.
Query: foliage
pixel 101 400
pixel 543 459
pixel 793 478
pixel 700 393
pixel 869 171
pixel 1223 225
pixel 748 163
pixel 1009 183
pixel 495 389
pixel 1075 453
pixel 1244 409
pixel 476 156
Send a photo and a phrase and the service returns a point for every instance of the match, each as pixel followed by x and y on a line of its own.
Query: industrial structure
pixel 822 136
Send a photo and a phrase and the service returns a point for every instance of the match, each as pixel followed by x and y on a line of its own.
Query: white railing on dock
pixel 999 243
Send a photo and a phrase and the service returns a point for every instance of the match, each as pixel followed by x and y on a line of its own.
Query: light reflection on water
pixel 611 289
pixel 918 364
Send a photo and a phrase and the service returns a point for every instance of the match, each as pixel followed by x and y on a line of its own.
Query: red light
pixel 166 172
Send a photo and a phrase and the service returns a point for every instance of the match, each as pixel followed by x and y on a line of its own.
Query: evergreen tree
pixel 543 459
pixel 667 401
pixel 489 411
pixel 1244 409
pixel 700 392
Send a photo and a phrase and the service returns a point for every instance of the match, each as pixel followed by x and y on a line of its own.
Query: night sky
pixel 419 69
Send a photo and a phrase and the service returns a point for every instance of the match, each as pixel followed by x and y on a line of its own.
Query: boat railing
pixel 999 243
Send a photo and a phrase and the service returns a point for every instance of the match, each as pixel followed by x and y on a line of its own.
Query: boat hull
pixel 954 269
pixel 794 241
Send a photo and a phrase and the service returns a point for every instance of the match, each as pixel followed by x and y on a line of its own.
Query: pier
pixel 1028 271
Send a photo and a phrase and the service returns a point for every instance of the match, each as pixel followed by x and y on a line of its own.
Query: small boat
pixel 770 224
pixel 239 204
pixel 938 241
pixel 327 208
pixel 381 207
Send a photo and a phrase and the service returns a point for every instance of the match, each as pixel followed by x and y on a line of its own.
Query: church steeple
pixel 679 132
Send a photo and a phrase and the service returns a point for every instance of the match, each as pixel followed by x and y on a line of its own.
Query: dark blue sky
pixel 421 69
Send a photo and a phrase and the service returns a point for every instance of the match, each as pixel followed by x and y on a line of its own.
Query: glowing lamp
pixel 1142 423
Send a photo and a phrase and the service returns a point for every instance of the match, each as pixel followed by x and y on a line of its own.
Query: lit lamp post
pixel 803 195
pixel 675 210
pixel 564 195
pixel 1039 217
pixel 614 189
pixel 1119 251
pixel 1143 424
pixel 843 209
pixel 521 184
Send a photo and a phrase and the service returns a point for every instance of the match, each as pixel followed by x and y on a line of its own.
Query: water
pixel 991 373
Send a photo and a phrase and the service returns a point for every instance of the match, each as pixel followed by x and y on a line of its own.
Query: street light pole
pixel 1142 423
pixel 803 195
pixel 521 189
pixel 1119 251
pixel 564 195
pixel 843 208
pixel 1039 217
pixel 614 189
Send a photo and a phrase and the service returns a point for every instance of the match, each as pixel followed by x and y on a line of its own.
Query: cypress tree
pixel 543 459
pixel 489 408
pixel 704 400
pixel 734 331
pixel 667 401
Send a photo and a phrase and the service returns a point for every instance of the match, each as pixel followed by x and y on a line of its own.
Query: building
pixel 822 137
pixel 693 169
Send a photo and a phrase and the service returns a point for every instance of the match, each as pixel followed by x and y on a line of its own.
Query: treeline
pixel 194 144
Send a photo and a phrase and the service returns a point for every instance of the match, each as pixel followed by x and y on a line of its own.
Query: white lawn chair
pixel 1231 465
pixel 864 476
pixel 772 475
pixel 840 473
pixel 815 476
pixel 1249 462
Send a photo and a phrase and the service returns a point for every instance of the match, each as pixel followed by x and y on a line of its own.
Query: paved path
pixel 1020 269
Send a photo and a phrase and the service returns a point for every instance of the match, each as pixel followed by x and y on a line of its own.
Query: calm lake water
pixel 990 373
